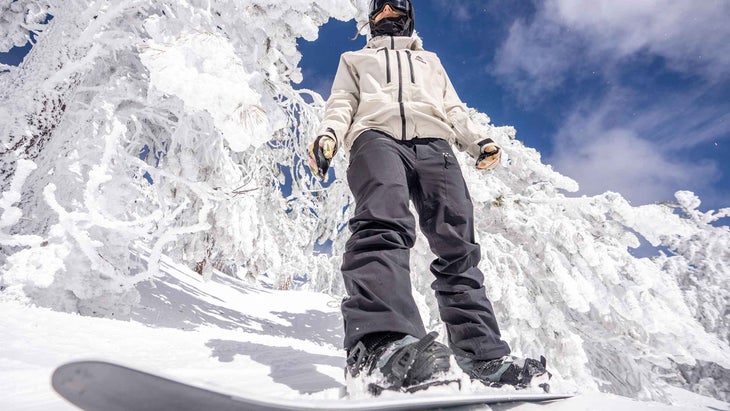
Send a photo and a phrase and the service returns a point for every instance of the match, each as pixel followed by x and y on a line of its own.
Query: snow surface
pixel 223 333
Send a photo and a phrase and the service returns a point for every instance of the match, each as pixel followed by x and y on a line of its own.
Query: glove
pixel 320 155
pixel 489 159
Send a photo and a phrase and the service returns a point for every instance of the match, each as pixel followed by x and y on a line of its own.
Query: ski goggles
pixel 376 6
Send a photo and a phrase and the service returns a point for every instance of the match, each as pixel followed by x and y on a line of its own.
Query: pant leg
pixel 375 265
pixel 446 218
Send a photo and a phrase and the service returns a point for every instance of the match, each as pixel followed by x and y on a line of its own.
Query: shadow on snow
pixel 170 303
pixel 294 368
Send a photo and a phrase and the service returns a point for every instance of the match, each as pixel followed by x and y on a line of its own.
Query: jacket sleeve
pixel 342 103
pixel 468 137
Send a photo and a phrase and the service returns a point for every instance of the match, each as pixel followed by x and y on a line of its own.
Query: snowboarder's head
pixel 391 18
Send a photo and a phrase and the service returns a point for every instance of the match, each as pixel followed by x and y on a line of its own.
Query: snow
pixel 140 133
pixel 214 82
pixel 18 19
pixel 224 334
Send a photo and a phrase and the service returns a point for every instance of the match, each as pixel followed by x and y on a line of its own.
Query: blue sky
pixel 15 56
pixel 620 95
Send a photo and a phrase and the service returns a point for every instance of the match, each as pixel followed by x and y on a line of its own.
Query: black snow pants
pixel 384 174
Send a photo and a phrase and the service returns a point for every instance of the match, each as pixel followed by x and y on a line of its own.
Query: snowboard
pixel 99 385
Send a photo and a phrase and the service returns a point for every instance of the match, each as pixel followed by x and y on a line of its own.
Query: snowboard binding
pixel 509 370
pixel 399 363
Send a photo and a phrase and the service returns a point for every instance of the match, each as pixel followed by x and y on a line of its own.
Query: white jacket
pixel 395 86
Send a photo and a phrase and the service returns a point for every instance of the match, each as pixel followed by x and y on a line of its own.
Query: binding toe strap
pixel 497 375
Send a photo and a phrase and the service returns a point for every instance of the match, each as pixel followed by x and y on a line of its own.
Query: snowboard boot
pixel 398 362
pixel 508 370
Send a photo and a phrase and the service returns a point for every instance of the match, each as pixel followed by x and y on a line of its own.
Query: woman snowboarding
pixel 394 108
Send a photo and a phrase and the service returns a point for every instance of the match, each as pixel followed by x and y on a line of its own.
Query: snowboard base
pixel 99 385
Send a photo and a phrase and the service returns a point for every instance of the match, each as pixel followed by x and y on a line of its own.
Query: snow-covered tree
pixel 19 19
pixel 168 126
pixel 137 128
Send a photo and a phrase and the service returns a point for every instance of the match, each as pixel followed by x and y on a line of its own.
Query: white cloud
pixel 536 58
pixel 619 161
pixel 691 35
pixel 566 35
pixel 616 139
pixel 604 152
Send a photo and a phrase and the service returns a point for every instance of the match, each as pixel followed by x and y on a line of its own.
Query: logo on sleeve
pixel 419 58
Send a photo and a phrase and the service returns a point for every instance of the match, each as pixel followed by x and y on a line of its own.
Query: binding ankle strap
pixel 402 361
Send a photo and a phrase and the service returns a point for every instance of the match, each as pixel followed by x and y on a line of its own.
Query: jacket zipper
pixel 387 64
pixel 410 64
pixel 400 97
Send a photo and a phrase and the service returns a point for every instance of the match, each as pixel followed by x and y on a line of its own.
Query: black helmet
pixel 392 26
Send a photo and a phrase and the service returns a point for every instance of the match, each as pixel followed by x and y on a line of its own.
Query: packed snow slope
pixel 176 127
pixel 223 333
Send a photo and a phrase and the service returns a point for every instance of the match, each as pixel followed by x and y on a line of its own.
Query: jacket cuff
pixel 331 133
pixel 486 142
pixel 475 149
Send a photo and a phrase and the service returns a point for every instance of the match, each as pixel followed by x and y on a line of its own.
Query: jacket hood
pixel 395 43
